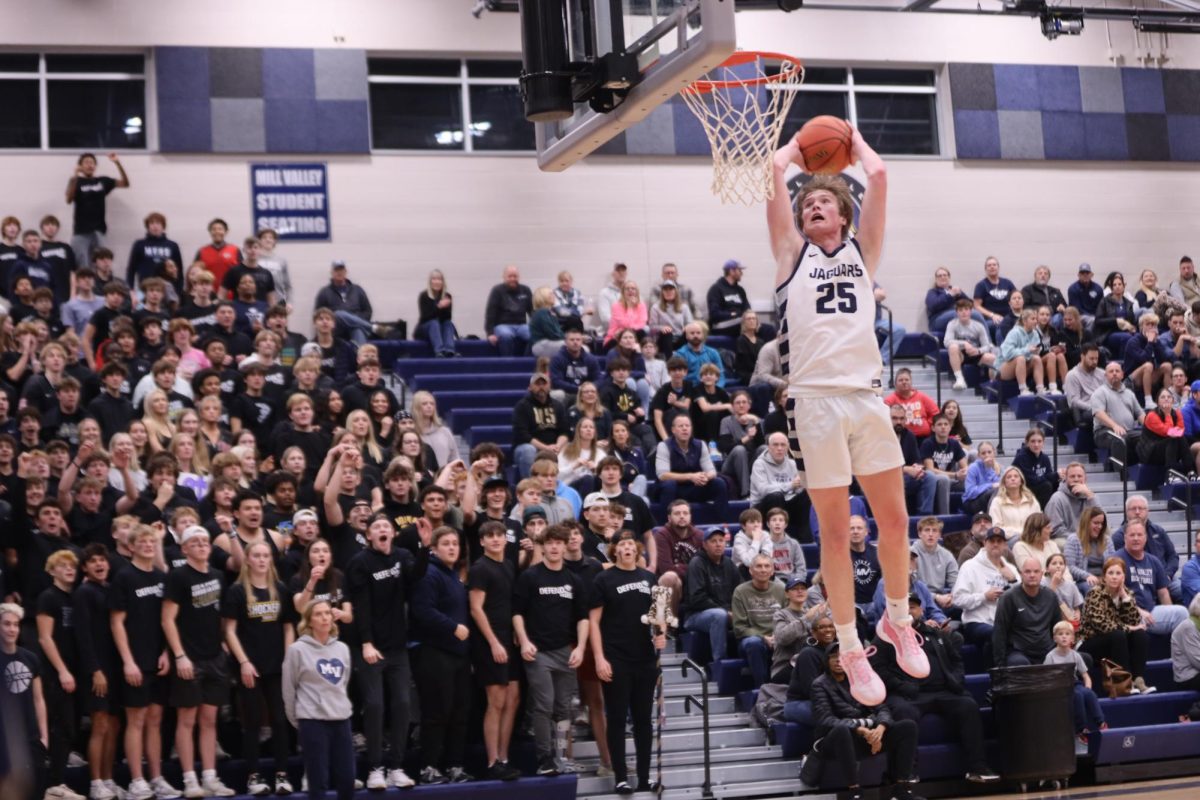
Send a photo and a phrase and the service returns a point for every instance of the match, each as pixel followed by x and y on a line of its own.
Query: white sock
pixel 189 776
pixel 897 611
pixel 847 636
pixel 209 775
pixel 958 376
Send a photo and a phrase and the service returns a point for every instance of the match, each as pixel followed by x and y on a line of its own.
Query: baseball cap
pixel 996 532
pixel 980 516
pixel 713 532
pixel 594 499
pixel 733 263
pixel 338 264
pixel 796 580
pixel 303 514
pixel 1196 386
pixel 672 284
pixel 538 377
pixel 310 349
pixel 191 532
pixel 531 512
pixel 402 414
pixel 495 482
pixel 913 597
pixel 1085 267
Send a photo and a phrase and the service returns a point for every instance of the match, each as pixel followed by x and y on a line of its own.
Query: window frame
pixel 851 88
pixel 464 81
pixel 44 77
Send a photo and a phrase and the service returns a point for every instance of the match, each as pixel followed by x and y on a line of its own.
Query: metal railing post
pixel 995 390
pixel 703 705
pixel 1186 503
pixel 891 346
pixel 937 366
pixel 1052 425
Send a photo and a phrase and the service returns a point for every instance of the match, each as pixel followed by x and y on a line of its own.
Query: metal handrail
pixel 1124 467
pixel 891 346
pixel 1187 505
pixel 936 360
pixel 987 389
pixel 1050 427
pixel 702 704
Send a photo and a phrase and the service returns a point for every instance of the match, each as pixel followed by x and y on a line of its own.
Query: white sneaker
pixel 214 788
pixel 116 790
pixel 960 384
pixel 75 760
pixel 140 790
pixel 164 790
pixel 98 791
pixel 191 788
pixel 376 781
pixel 1041 390
pixel 399 780
pixel 62 792
pixel 1025 392
pixel 1052 388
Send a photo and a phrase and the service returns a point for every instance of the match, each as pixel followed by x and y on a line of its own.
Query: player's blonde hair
pixel 835 186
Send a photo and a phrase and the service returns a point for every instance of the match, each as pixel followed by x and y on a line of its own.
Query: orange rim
pixel 790 66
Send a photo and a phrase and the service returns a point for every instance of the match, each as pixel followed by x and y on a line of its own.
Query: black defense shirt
pixel 261 623
pixel 198 595
pixel 625 597
pixel 495 579
pixel 90 196
pixel 378 585
pixel 514 532
pixel 140 594
pixel 552 602
pixel 56 604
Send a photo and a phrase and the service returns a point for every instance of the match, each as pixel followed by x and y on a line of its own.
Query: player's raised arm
pixel 873 218
pixel 781 221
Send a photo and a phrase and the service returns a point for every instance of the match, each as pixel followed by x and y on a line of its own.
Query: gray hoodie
pixel 315 677
pixel 1064 509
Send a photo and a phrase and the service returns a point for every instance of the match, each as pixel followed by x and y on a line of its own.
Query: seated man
pixel 754 605
pixel 775 482
pixel 864 560
pixel 1115 411
pixel 920 485
pixel 708 593
pixel 1067 504
pixel 685 469
pixel 1158 541
pixel 919 408
pixel 850 731
pixel 1025 618
pixel 675 545
pixel 943 692
pixel 1148 581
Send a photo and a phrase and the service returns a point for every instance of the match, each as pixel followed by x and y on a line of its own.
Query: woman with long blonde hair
pixel 628 312
pixel 155 416
pixel 192 459
pixel 579 457
pixel 258 620
pixel 1012 504
pixel 358 424
pixel 433 432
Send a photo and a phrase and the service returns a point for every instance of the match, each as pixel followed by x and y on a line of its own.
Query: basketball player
pixel 835 417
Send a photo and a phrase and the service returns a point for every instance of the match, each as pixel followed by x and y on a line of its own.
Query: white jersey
pixel 827 342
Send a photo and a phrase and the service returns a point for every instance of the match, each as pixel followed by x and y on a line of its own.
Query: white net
pixel 742 106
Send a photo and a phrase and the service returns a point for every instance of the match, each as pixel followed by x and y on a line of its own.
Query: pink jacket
pixel 637 318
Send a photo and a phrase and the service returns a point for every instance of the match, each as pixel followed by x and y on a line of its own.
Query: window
pixel 463 106
pixel 73 101
pixel 895 109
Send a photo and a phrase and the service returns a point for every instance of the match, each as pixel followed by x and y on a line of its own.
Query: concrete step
pixel 677 739
pixel 771 769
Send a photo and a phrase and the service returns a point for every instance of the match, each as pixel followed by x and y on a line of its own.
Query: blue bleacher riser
pixel 492 381
pixel 1148 477
pixel 914 345
pixel 462 419
pixel 406 368
pixel 1180 490
pixel 1008 390
pixel 1146 709
pixel 728 674
pixel 1023 407
pixel 1081 440
pixel 1145 743
pixel 391 349
pixel 449 401
pixel 497 434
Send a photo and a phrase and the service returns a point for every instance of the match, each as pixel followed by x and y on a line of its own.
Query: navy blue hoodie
pixel 1037 469
pixel 439 606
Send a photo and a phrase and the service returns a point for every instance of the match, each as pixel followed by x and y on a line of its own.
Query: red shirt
pixel 218 261
pixel 919 411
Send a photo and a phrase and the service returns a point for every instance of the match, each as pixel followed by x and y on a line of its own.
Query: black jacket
pixel 833 707
pixel 807 667
pixel 378 585
pixel 709 585
pixel 1036 296
pixel 507 307
pixel 945 665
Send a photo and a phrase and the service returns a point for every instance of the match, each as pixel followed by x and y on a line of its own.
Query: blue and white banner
pixel 292 199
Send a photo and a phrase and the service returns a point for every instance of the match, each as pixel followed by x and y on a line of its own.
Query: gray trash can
pixel 1035 722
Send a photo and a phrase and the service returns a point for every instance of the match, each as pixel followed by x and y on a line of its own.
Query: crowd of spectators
pixel 197 499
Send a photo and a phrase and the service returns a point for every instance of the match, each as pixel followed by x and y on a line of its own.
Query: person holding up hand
pixel 88 192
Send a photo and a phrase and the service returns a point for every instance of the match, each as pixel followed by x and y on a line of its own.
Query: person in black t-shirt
pixel 258 622
pixel 318 580
pixel 518 548
pixel 88 192
pixel 550 620
pixel 98 674
pixel 22 705
pixel 626 658
pixel 136 602
pixel 672 399
pixel 100 327
pixel 493 652
pixel 637 516
pixel 60 662
pixel 191 621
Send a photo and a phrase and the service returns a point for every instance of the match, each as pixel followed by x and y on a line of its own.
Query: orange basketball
pixel 825 143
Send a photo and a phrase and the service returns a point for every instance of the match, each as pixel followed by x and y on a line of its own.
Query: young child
pixel 656 368
pixel 1088 716
pixel 752 540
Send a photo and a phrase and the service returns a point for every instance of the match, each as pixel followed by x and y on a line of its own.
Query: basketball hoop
pixel 742 112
